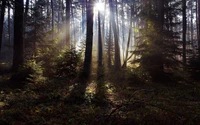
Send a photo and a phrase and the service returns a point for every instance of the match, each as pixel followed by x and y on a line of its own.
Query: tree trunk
pixel 59 12
pixel 129 38
pixel 68 4
pixel 117 62
pixel 35 29
pixel 1 22
pixel 26 12
pixel 100 50
pixel 48 16
pixel 99 42
pixel 52 18
pixel 74 29
pixel 198 24
pixel 18 55
pixel 62 13
pixel 9 33
pixel 161 13
pixel 184 30
pixel 109 44
pixel 123 29
pixel 89 38
pixel 103 27
pixel 117 20
pixel 192 28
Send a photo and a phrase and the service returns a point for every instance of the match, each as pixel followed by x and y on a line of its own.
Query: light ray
pixel 99 7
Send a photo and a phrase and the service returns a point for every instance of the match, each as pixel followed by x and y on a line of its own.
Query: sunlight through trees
pixel 99 62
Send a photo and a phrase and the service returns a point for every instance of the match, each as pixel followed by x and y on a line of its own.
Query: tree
pixel 109 44
pixel 68 4
pixel 117 62
pixel 184 30
pixel 129 38
pixel 59 13
pixel 2 21
pixel 89 37
pixel 26 13
pixel 9 27
pixel 52 18
pixel 36 28
pixel 158 46
pixel 100 50
pixel 198 23
pixel 18 55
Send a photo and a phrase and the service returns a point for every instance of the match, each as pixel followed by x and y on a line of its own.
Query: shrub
pixel 137 75
pixel 68 64
pixel 30 72
pixel 48 54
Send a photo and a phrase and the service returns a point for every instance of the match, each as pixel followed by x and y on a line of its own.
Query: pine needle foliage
pixel 158 45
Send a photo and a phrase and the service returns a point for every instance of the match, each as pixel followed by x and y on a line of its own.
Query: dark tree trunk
pixel 123 29
pixel 117 62
pixel 68 4
pixel 63 11
pixel 9 33
pixel 129 38
pixel 35 29
pixel 1 22
pixel 116 17
pixel 52 18
pixel 48 16
pixel 18 55
pixel 89 38
pixel 100 50
pixel 198 24
pixel 161 13
pixel 192 27
pixel 26 12
pixel 59 12
pixel 100 57
pixel 184 30
pixel 103 27
pixel 109 44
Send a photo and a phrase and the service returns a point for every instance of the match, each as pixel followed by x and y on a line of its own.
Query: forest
pixel 99 62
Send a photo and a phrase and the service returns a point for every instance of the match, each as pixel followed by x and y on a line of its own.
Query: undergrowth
pixel 126 97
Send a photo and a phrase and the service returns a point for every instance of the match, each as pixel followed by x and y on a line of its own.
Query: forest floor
pixel 105 102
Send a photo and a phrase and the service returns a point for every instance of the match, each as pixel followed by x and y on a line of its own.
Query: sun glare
pixel 99 6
